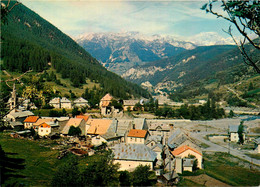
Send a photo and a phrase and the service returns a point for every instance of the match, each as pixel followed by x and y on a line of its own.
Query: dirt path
pixel 206 180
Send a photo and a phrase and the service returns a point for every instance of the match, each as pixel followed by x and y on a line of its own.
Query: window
pixel 135 139
pixel 41 130
pixel 151 144
pixel 46 130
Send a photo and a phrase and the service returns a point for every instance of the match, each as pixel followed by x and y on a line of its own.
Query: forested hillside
pixel 30 42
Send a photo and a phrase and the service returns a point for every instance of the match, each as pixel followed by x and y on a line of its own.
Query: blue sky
pixel 175 18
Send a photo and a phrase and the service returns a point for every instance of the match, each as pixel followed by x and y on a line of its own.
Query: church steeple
pixel 13 98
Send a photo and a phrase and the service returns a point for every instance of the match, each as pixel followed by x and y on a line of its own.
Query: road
pixel 221 148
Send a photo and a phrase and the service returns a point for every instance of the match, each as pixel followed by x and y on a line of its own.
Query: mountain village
pixel 167 146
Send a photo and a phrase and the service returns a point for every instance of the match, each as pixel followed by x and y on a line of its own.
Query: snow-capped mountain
pixel 120 51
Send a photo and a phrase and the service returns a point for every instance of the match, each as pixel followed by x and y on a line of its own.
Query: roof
pixel 170 175
pixel 72 122
pixel 40 121
pixel 157 145
pixel 21 114
pixel 123 126
pixel 233 128
pixel 139 123
pixel 98 126
pixel 65 100
pixel 158 126
pixel 83 117
pixel 45 125
pixel 257 141
pixel 137 152
pixel 176 138
pixel 107 97
pixel 55 100
pixel 156 139
pixel 81 100
pixel 31 119
pixel 184 148
pixel 105 103
pixel 130 102
pixel 137 133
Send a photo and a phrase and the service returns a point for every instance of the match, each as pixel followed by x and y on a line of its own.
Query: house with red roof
pixel 30 121
pixel 44 129
pixel 137 136
pixel 183 152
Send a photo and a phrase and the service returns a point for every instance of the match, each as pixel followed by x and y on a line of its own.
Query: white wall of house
pixel 97 140
pixel 234 137
pixel 130 165
pixel 66 105
pixel 28 125
pixel 55 105
pixel 44 131
pixel 187 168
pixel 258 148
pixel 79 105
pixel 135 140
pixel 190 152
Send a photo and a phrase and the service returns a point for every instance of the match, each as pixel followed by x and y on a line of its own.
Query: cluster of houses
pixel 156 143
pixel 134 141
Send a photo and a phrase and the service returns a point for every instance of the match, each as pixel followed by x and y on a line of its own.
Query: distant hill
pixel 30 42
pixel 222 63
pixel 120 51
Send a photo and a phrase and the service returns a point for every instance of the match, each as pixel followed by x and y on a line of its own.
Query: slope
pixel 30 42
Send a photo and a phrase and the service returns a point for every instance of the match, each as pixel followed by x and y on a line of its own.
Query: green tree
pixel 231 114
pixel 102 171
pixel 241 133
pixel 244 15
pixel 124 178
pixel 141 176
pixel 75 111
pixel 67 174
pixel 74 131
pixel 251 86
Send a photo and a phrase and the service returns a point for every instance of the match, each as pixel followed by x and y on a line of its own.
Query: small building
pixel 257 142
pixel 186 151
pixel 41 121
pixel 65 103
pixel 44 129
pixel 129 156
pixel 104 105
pixel 176 138
pixel 129 104
pixel 153 140
pixel 140 123
pixel 233 133
pixel 30 121
pixel 18 115
pixel 158 148
pixel 55 102
pixel 81 103
pixel 136 136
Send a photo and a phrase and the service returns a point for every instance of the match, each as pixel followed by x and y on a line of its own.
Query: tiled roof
pixel 72 122
pixel 139 123
pixel 107 97
pixel 31 119
pixel 21 114
pixel 98 126
pixel 136 152
pixel 233 128
pixel 137 133
pixel 40 121
pixel 156 139
pixel 83 117
pixel 45 125
pixel 182 149
pixel 176 138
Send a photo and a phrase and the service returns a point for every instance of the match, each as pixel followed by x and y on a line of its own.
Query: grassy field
pixel 35 162
pixel 221 167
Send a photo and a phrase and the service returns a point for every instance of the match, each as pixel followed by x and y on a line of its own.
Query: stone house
pixel 184 152
pixel 129 104
pixel 233 133
pixel 65 103
pixel 104 105
pixel 136 136
pixel 81 103
pixel 30 121
pixel 44 129
pixel 18 115
pixel 55 102
pixel 129 156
